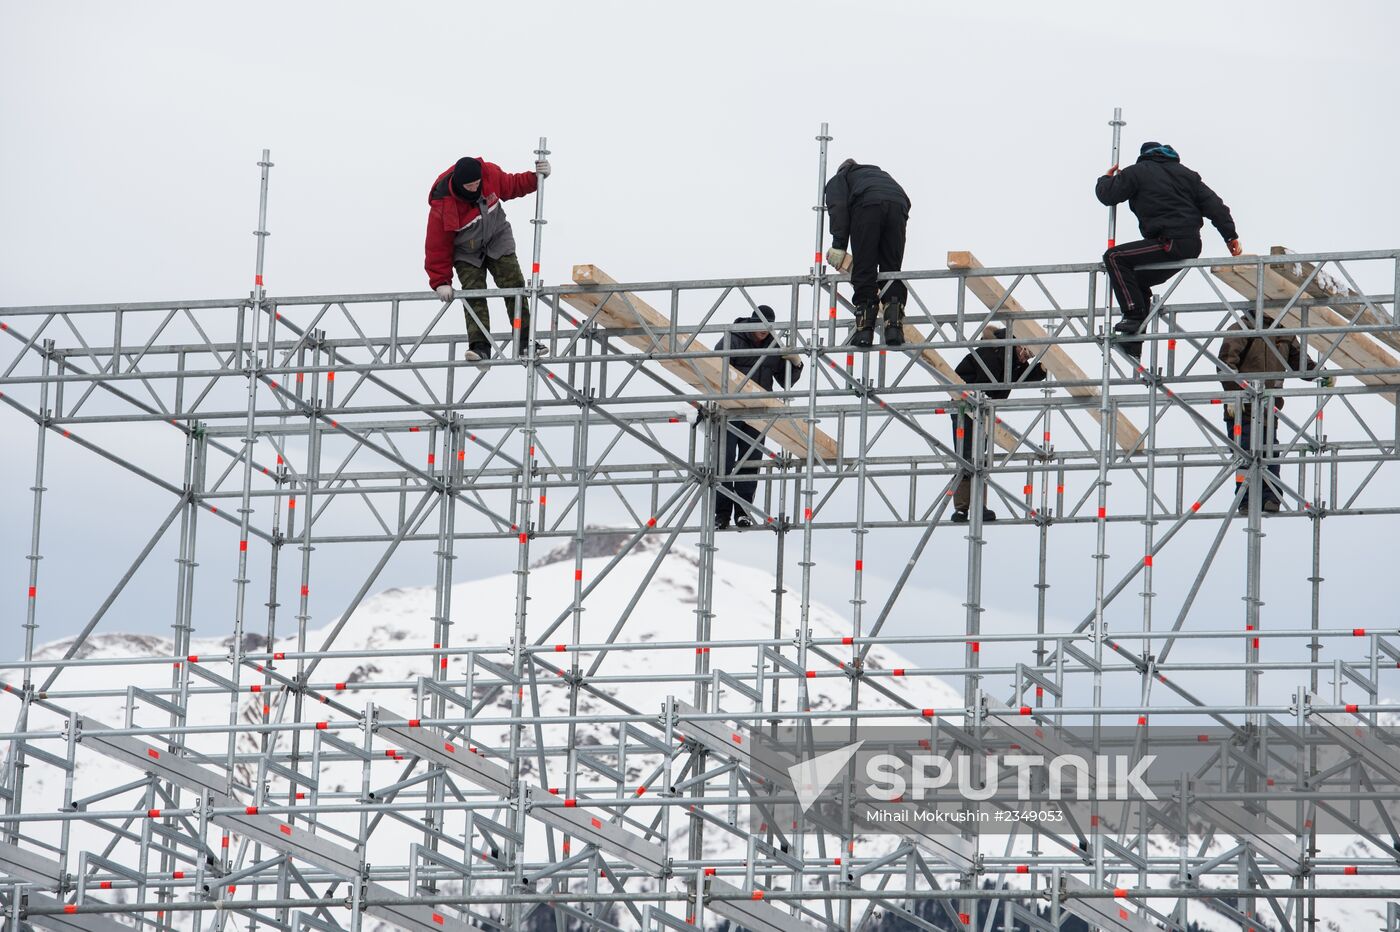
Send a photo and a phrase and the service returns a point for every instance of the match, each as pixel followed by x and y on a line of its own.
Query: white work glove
pixel 542 167
pixel 444 292
pixel 1229 412
pixel 838 259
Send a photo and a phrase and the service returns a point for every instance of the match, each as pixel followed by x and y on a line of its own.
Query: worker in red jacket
pixel 468 230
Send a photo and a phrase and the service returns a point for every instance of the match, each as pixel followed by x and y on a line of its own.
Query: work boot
pixel 478 351
pixel 523 349
pixel 1272 506
pixel 1127 327
pixel 894 324
pixel 865 326
pixel 988 515
pixel 743 521
pixel 960 516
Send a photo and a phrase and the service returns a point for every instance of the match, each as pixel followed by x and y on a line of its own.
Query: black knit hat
pixel 1150 144
pixel 764 313
pixel 464 173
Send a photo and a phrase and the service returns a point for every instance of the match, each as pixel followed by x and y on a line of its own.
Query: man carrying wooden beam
pixel 743 443
pixel 1170 201
pixel 1248 350
pixel 998 361
pixel 868 210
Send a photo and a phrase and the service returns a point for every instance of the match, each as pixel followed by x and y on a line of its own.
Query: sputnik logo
pixel 812 776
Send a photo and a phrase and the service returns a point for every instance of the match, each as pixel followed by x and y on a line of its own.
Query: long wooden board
pixel 1320 288
pixel 1003 437
pixel 1355 349
pixel 629 312
pixel 1055 360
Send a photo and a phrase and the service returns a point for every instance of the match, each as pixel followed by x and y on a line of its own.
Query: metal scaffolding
pixel 295 428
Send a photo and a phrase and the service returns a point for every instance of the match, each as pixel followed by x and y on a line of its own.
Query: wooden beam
pixel 1055 360
pixel 1324 287
pixel 1003 437
pixel 1355 349
pixel 620 311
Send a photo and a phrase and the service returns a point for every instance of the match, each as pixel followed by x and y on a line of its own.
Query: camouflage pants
pixel 505 272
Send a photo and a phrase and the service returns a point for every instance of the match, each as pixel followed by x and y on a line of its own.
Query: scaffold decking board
pixel 1358 737
pixel 1356 350
pixel 730 743
pixel 276 834
pixel 294 840
pixel 630 312
pixel 1247 828
pixel 596 830
pixel 19 864
pixel 70 922
pixel 956 850
pixel 457 756
pixel 414 917
pixel 1055 360
pixel 150 759
pixel 1111 915
pixel 750 912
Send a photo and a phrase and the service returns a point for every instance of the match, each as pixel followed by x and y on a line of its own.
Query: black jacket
pixel 993 355
pixel 856 186
pixel 1168 198
pixel 762 371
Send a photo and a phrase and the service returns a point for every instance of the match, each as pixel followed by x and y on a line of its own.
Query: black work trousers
pixel 877 245
pixel 1133 286
pixel 742 455
pixel 962 442
pixel 1241 428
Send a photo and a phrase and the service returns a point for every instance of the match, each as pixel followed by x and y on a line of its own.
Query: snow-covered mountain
pixel 483 612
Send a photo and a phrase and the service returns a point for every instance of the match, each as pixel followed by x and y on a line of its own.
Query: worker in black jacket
pixel 743 443
pixel 1170 201
pixel 868 211
pixel 997 361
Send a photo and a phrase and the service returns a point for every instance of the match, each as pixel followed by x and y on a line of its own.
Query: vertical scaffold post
pixel 807 495
pixel 245 506
pixel 14 765
pixel 1101 525
pixel 522 570
pixel 1117 124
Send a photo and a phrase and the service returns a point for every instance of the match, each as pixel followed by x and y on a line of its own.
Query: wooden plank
pixel 1298 272
pixel 1055 360
pixel 629 312
pixel 1356 350
pixel 1003 437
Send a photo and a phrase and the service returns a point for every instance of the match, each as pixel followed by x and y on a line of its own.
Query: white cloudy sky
pixel 682 140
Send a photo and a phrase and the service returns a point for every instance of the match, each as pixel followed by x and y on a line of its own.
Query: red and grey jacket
pixel 470 230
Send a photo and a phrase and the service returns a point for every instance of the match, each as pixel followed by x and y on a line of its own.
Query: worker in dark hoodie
pixel 743 443
pixel 1170 202
pixel 468 231
pixel 997 360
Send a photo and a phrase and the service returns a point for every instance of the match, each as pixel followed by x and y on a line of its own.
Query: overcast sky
pixel 682 140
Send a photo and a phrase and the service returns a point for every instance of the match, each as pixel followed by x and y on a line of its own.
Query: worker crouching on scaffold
pixel 868 211
pixel 998 360
pixel 1170 202
pixel 1257 351
pixel 743 443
